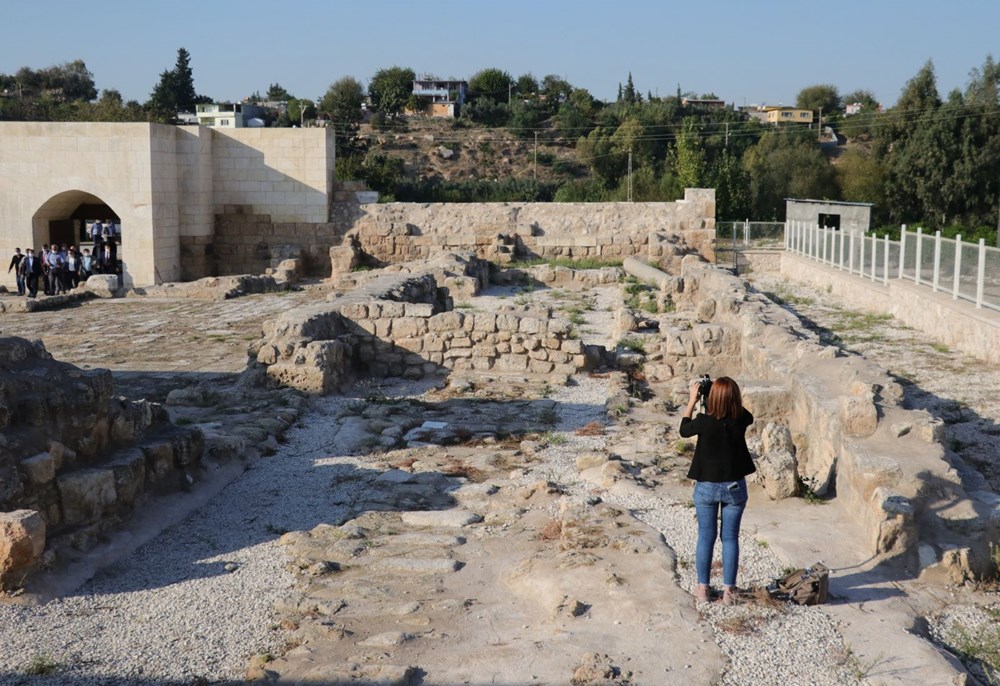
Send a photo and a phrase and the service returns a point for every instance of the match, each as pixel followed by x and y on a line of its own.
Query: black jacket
pixel 721 453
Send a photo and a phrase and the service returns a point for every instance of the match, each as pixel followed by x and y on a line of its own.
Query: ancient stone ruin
pixel 76 460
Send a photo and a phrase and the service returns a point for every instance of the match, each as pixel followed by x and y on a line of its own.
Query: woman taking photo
pixel 721 461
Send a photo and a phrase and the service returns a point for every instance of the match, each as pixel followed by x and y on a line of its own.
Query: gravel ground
pixel 171 611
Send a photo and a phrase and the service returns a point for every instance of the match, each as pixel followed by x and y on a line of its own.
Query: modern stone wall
pixel 75 460
pixel 165 183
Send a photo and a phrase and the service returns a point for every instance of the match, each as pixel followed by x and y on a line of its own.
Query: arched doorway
pixel 66 218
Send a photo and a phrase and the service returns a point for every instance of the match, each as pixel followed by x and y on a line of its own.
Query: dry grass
pixel 591 429
pixel 552 531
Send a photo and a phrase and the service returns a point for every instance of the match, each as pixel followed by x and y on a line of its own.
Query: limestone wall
pixel 397 232
pixel 248 241
pixel 285 173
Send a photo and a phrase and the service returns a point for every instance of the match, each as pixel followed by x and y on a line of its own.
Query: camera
pixel 704 388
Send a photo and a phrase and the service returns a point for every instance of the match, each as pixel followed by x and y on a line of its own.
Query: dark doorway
pixel 62 231
pixel 829 221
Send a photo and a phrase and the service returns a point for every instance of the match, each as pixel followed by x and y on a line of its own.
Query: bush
pixel 505 190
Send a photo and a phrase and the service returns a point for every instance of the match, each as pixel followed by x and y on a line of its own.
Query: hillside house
pixel 442 97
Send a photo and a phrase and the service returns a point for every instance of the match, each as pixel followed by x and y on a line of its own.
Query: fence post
pixel 885 261
pixel 841 263
pixel 958 266
pixel 746 232
pixel 850 257
pixel 937 260
pixel 902 249
pixel 981 273
pixel 784 236
pixel 861 257
pixel 920 249
pixel 874 255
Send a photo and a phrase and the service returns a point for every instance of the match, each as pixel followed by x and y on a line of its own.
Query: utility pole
pixel 536 157
pixel 630 176
pixel 998 221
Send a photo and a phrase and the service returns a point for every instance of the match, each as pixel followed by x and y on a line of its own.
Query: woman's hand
pixel 692 399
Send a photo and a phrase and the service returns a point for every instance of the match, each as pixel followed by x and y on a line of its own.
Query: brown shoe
pixel 730 595
pixel 702 593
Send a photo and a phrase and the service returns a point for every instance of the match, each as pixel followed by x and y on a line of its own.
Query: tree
pixel 390 89
pixel 275 93
pixel 821 96
pixel 175 91
pixel 298 111
pixel 629 94
pixel 491 83
pixel 860 177
pixel 865 98
pixel 784 165
pixel 555 89
pixel 525 119
pixel 342 103
pixel 688 157
pixel 526 84
pixel 732 188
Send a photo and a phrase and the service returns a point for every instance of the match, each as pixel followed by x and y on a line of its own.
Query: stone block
pixel 22 542
pixel 409 327
pixel 86 495
pixel 103 285
pixel 529 325
pixel 572 347
pixel 392 309
pixel 39 469
pixel 159 461
pixel 446 321
pixel 130 476
pixel 423 310
pixel 486 323
pixel 858 415
pixel 540 366
pixel 507 322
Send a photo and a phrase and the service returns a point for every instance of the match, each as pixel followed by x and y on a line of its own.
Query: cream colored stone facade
pixel 165 184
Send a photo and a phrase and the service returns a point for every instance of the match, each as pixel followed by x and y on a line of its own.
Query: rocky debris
pixel 598 669
pixel 104 286
pixel 22 542
pixel 226 287
pixel 777 470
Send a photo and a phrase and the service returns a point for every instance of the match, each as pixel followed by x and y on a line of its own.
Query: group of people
pixel 61 268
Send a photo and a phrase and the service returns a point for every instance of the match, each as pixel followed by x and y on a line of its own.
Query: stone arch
pixel 76 207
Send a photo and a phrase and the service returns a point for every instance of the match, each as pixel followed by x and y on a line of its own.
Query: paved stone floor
pixel 147 342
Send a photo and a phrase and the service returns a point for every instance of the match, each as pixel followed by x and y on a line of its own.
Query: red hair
pixel 725 400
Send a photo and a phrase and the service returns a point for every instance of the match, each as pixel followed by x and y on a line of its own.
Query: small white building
pixel 232 115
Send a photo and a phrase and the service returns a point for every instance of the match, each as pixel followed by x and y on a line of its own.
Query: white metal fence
pixel 968 271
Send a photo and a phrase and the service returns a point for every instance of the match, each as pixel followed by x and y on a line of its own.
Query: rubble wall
pixel 402 325
pixel 75 459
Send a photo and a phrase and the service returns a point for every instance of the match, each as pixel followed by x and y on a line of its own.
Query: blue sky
pixel 742 51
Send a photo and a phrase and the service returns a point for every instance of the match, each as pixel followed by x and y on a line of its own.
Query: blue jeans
pixel 710 497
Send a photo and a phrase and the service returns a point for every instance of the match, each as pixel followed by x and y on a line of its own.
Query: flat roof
pixel 832 202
